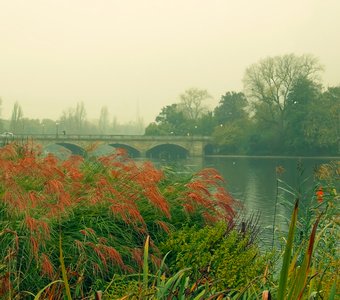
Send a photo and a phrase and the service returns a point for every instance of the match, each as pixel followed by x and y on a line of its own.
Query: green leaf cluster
pixel 222 256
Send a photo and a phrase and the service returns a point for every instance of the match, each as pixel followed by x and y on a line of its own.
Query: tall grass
pixel 310 257
pixel 104 208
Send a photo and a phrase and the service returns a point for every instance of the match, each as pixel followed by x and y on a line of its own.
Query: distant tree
pixel 322 124
pixel 68 120
pixel 16 124
pixel 73 120
pixel 206 124
pixel 155 130
pixel 230 138
pixel 80 116
pixel 31 126
pixel 104 120
pixel 1 121
pixel 171 114
pixel 304 95
pixel 139 126
pixel 232 107
pixel 48 126
pixel 269 82
pixel 192 103
pixel 232 123
pixel 170 121
pixel 114 124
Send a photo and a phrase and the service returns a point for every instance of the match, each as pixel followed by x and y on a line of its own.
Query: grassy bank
pixel 75 227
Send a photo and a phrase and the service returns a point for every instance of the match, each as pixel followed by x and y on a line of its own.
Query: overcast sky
pixel 137 56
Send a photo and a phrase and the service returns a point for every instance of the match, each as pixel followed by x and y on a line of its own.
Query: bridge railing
pixel 107 137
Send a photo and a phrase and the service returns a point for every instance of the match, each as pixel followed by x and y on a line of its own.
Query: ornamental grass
pixel 99 209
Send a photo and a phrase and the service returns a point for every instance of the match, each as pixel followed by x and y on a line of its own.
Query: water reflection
pixel 253 181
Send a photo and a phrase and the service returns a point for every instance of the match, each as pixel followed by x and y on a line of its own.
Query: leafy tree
pixel 322 128
pixel 171 120
pixel 155 130
pixel 206 124
pixel 192 103
pixel 304 95
pixel 269 82
pixel 232 107
pixel 228 138
pixel 232 120
pixel 188 117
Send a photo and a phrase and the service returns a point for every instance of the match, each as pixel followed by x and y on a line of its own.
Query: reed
pixel 103 209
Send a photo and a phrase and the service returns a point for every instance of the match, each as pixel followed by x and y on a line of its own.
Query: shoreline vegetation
pixel 111 228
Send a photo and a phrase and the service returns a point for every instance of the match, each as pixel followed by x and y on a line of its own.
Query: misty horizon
pixel 137 57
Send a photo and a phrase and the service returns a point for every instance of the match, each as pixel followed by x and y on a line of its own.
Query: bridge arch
pixel 131 151
pixel 75 149
pixel 71 149
pixel 167 151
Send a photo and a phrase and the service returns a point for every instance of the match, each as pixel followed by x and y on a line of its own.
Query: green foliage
pixel 326 260
pixel 284 111
pixel 177 286
pixel 311 260
pixel 322 125
pixel 170 121
pixel 232 107
pixel 287 256
pixel 63 271
pixel 224 257
pixel 305 95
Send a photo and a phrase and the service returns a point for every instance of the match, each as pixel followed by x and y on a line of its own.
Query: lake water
pixel 253 181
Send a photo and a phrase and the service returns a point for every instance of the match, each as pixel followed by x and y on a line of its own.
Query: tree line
pixel 283 110
pixel 72 121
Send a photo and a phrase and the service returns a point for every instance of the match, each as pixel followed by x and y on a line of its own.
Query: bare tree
pixel 80 115
pixel 16 119
pixel 268 83
pixel 74 119
pixel 104 120
pixel 192 102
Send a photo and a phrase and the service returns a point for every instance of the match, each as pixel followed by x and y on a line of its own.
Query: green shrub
pixel 226 258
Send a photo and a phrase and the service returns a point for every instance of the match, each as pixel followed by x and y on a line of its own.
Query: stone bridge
pixel 135 145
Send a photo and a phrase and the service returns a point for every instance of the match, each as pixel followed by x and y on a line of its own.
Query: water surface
pixel 253 181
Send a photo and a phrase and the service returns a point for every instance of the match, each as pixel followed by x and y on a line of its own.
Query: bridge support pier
pixel 196 150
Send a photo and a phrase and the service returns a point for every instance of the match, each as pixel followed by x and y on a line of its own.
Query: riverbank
pixel 73 227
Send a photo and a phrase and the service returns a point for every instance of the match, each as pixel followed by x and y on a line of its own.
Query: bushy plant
pixel 224 257
pixel 311 261
pixel 326 262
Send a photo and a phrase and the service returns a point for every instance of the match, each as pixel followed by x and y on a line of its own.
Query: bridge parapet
pixel 193 144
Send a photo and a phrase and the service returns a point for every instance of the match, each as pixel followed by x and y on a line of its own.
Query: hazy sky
pixel 137 56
